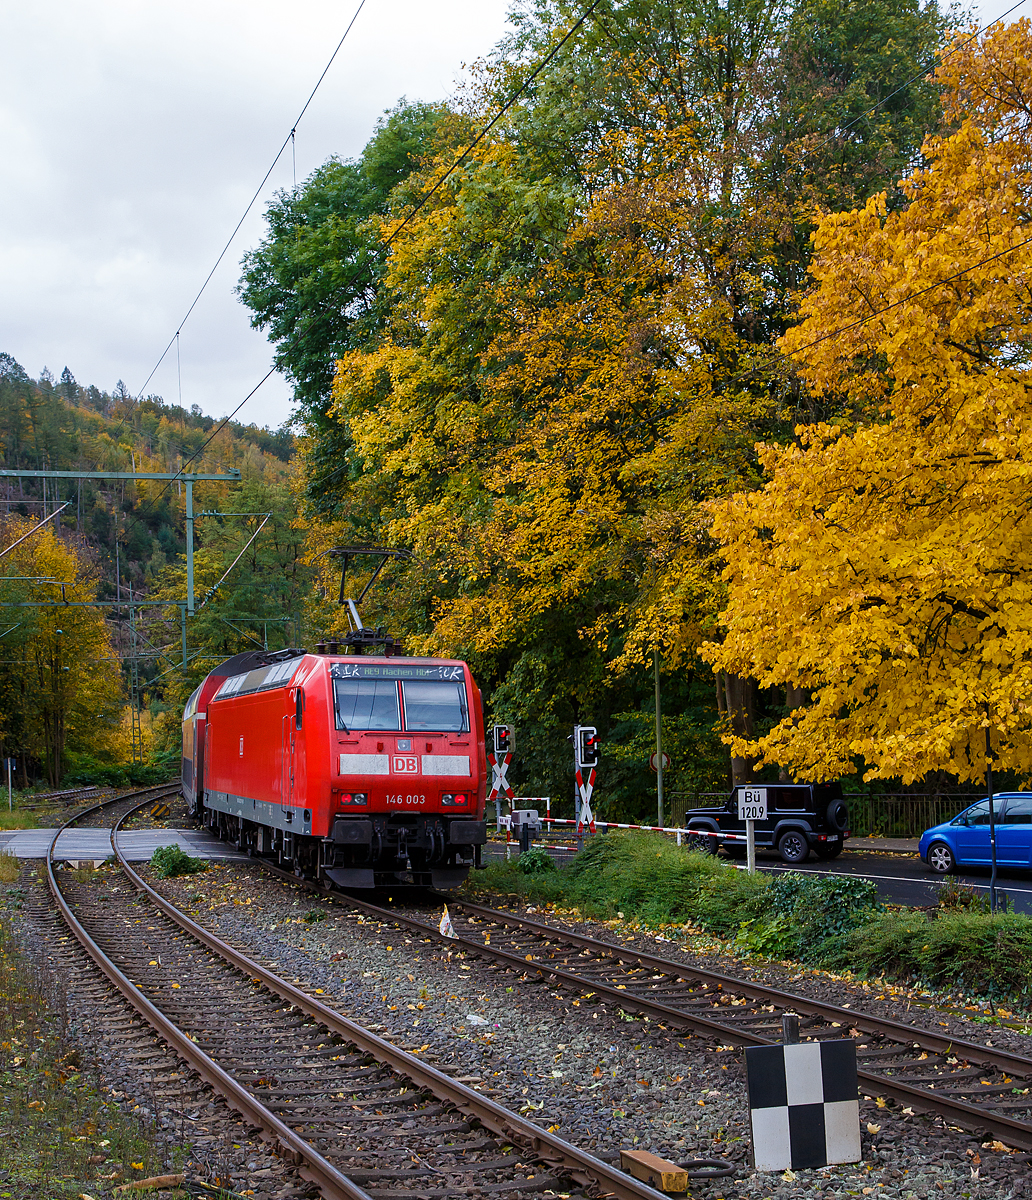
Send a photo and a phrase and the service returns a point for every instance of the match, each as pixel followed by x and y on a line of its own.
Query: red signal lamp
pixel 352 798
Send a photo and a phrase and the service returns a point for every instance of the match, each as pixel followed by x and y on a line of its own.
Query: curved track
pixel 972 1085
pixel 114 807
pixel 361 1117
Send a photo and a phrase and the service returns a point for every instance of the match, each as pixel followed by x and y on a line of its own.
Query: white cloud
pixel 134 134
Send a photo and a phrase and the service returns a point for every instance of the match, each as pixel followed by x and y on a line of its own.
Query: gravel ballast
pixel 600 1078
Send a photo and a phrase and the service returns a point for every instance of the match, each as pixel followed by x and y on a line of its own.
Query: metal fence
pixel 904 815
pixel 889 814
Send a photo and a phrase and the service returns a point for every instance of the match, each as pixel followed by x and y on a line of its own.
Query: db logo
pixel 405 764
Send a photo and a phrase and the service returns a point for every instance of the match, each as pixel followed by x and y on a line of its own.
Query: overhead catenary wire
pixel 912 296
pixel 287 141
pixel 425 197
pixel 175 339
pixel 465 156
pixel 35 529
pixel 939 55
pixel 913 78
pixel 215 587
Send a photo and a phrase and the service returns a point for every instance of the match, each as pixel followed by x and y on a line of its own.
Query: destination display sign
pixel 395 670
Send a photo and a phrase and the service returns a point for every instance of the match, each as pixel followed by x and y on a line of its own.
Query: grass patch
pixel 536 862
pixel 10 867
pixel 60 1137
pixel 17 819
pixel 643 877
pixel 826 920
pixel 168 861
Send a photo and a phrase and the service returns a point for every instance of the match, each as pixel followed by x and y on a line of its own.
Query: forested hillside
pixel 713 348
pixel 66 672
pixel 63 426
pixel 550 372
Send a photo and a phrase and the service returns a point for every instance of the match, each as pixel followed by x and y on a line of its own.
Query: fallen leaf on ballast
pixel 154 1184
pixel 872 1128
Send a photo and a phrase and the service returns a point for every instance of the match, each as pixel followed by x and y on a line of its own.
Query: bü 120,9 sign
pixel 752 804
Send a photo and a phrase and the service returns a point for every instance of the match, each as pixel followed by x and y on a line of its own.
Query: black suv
pixel 800 817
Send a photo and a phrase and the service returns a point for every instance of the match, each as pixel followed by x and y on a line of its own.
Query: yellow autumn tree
pixel 886 566
pixel 551 432
pixel 60 691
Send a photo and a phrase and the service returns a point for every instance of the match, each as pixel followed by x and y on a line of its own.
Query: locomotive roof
pixel 251 660
pixel 255 671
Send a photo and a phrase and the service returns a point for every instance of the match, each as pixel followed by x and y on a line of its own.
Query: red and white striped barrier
pixel 644 828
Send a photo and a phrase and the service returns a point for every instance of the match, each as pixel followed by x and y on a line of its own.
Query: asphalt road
pixel 904 879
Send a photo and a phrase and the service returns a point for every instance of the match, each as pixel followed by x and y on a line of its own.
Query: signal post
pixel 585 754
pixel 504 738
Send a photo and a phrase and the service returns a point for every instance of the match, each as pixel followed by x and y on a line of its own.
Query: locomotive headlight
pixel 352 798
pixel 455 801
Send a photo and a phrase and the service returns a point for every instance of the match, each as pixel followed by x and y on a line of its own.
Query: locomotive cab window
pixel 366 704
pixel 435 706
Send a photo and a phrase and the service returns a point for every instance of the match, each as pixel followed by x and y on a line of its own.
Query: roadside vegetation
pixel 62 1137
pixel 826 921
pixel 17 818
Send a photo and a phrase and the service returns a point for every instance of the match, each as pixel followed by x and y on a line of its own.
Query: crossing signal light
pixel 587 745
pixel 504 739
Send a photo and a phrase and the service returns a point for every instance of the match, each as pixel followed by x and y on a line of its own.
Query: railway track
pixel 975 1086
pixel 111 808
pixel 358 1115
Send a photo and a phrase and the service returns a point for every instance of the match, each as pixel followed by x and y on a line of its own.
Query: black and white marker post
pixel 804 1103
pixel 752 807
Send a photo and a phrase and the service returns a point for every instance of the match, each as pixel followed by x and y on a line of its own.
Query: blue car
pixel 964 841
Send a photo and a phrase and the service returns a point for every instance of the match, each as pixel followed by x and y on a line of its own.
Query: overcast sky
pixel 135 131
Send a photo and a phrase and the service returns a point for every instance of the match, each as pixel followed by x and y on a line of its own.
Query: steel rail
pixel 552 1151
pixel 897 1030
pixel 957 1112
pixel 170 789
pixel 311 1164
pixel 1015 1133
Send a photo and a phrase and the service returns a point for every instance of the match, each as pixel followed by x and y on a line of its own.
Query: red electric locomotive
pixel 363 770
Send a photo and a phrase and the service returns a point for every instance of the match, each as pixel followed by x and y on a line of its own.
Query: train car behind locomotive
pixel 356 769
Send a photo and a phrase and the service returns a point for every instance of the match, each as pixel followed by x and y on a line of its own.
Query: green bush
pixel 822 907
pixel 536 862
pixel 173 860
pixel 650 879
pixel 970 951
pixel 834 921
pixel 84 769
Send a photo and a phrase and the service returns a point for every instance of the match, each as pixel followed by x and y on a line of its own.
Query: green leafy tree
pixel 573 343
